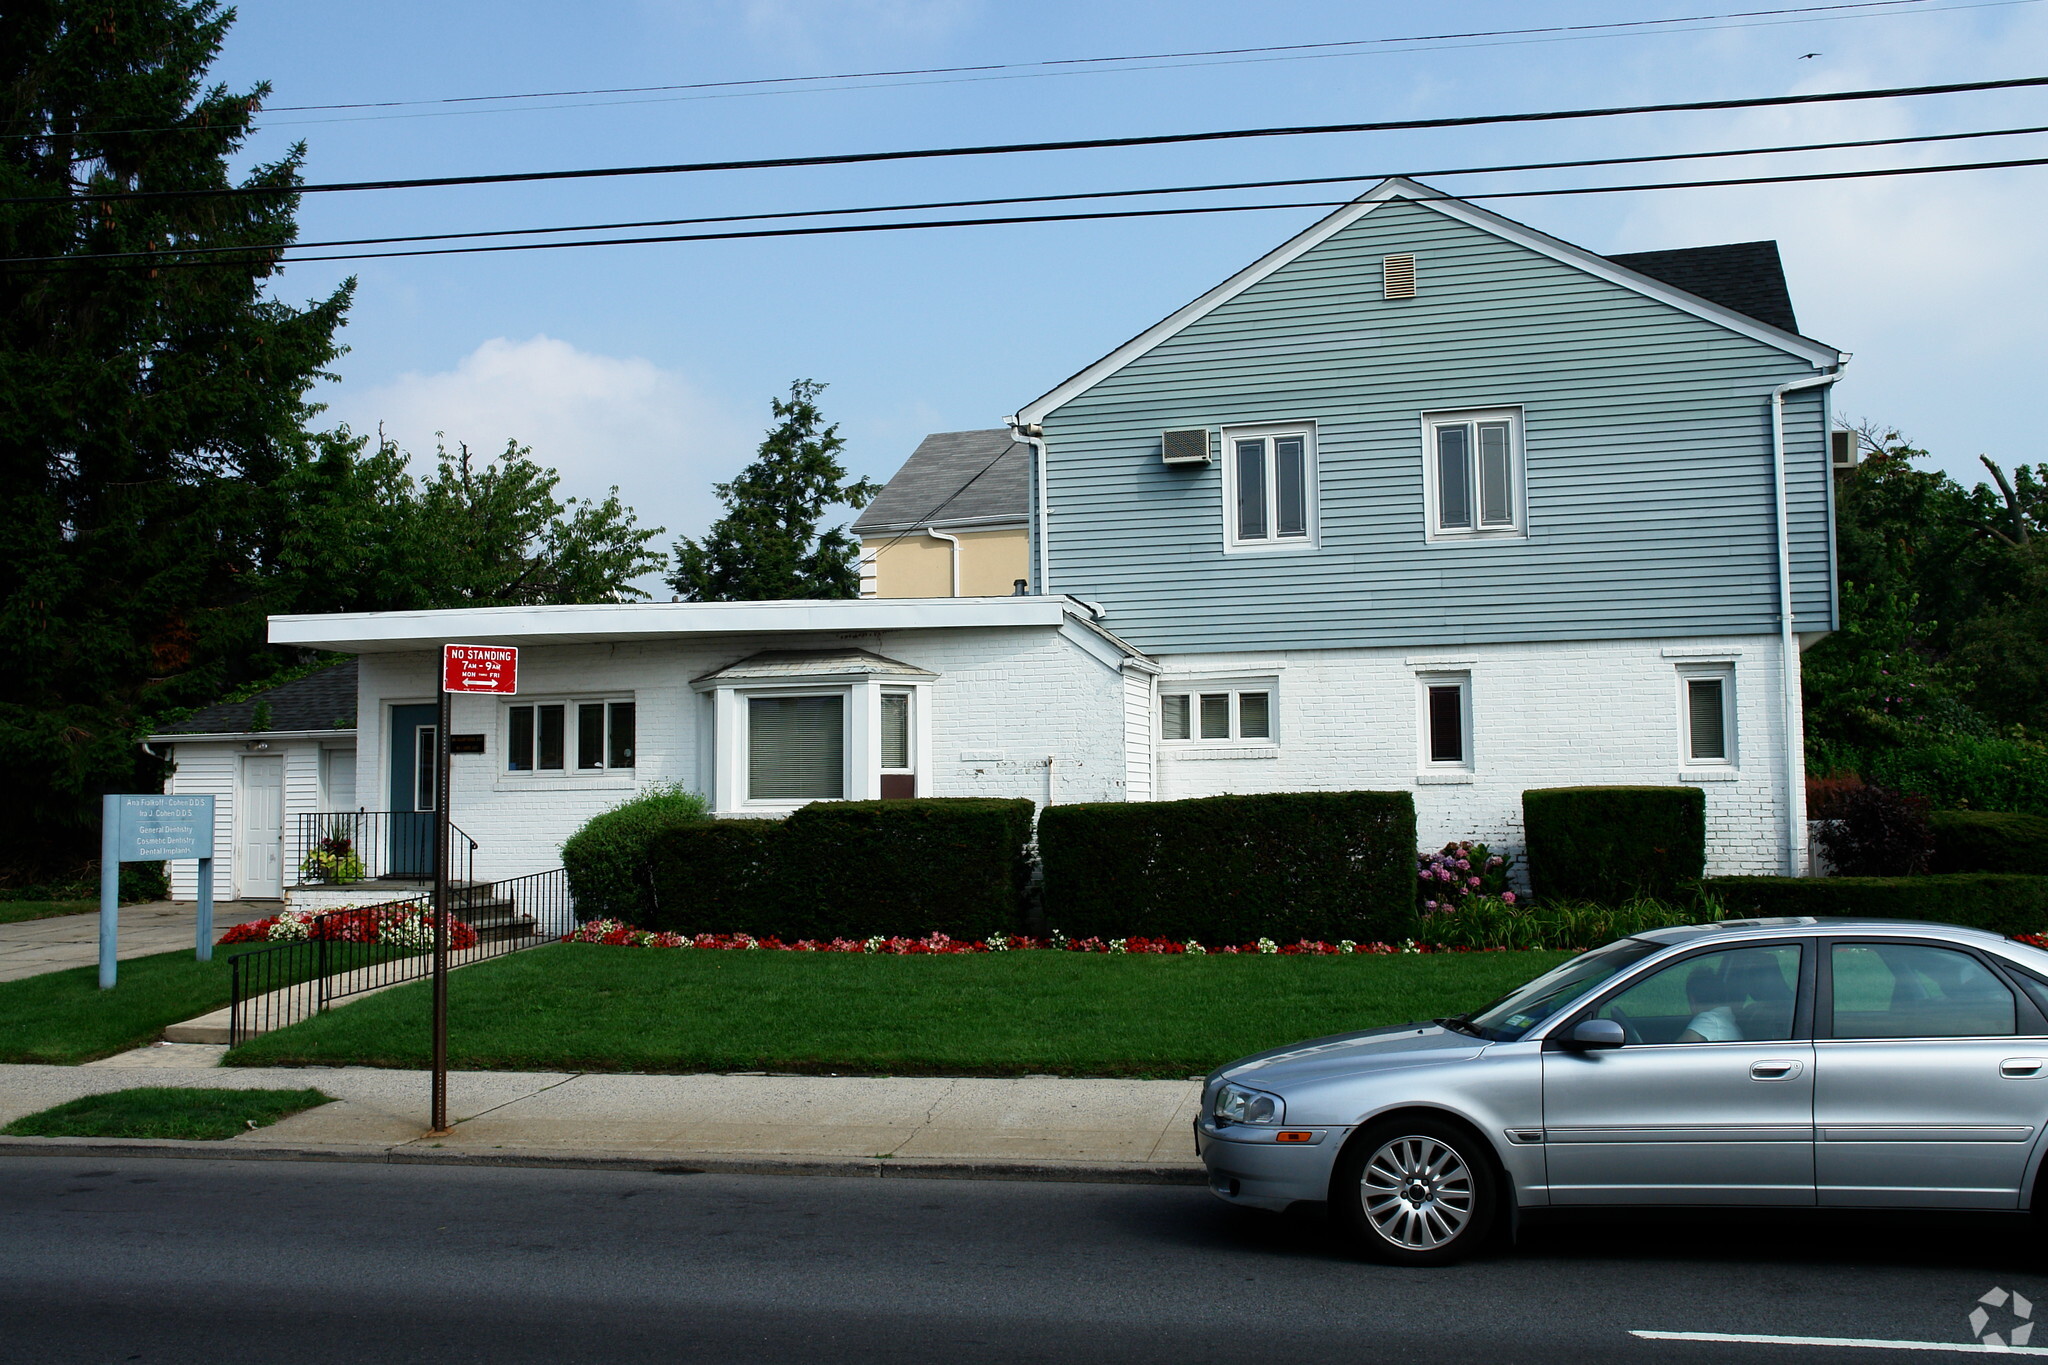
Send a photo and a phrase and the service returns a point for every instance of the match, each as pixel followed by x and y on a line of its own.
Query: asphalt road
pixel 226 1262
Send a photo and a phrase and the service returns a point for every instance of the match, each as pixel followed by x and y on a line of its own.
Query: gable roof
pixel 954 478
pixel 319 701
pixel 1402 189
pixel 1745 276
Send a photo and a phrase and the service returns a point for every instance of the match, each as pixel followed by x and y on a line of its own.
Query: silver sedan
pixel 1767 1062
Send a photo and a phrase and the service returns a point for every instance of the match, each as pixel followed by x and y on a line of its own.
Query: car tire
pixel 1416 1192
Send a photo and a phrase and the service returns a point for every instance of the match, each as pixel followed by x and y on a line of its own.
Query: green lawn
pixel 65 1018
pixel 14 912
pixel 579 1007
pixel 166 1112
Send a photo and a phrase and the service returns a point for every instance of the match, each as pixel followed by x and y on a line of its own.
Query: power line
pixel 1093 61
pixel 168 260
pixel 1049 198
pixel 1069 145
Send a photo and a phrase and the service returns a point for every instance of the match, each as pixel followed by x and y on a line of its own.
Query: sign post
pixel 148 829
pixel 464 668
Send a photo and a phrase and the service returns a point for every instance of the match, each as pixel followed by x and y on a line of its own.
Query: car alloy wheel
pixel 1419 1192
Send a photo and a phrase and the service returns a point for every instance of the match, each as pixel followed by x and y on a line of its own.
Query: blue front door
pixel 412 791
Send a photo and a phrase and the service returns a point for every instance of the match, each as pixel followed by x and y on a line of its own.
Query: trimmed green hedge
pixel 1615 844
pixel 1989 841
pixel 847 869
pixel 2005 903
pixel 1230 869
pixel 607 859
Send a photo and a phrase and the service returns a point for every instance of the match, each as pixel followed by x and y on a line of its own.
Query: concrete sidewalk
pixel 34 946
pixel 1032 1128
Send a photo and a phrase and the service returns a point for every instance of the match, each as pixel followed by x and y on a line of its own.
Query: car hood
pixel 1347 1054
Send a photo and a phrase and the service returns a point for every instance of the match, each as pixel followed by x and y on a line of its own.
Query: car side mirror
pixel 1597 1033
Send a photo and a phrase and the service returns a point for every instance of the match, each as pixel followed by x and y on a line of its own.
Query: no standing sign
pixel 480 668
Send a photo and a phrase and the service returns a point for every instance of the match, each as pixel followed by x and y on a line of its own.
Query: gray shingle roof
pixel 1744 276
pixel 812 663
pixel 942 474
pixel 320 701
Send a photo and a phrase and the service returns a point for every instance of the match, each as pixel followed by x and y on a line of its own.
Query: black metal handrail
pixel 345 846
pixel 348 952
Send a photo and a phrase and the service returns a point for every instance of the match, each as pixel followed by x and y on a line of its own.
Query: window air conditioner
pixel 1185 446
pixel 1841 450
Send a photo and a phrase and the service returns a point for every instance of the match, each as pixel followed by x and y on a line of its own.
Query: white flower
pixel 1116 945
pixel 1347 945
pixel 1194 948
pixel 1266 945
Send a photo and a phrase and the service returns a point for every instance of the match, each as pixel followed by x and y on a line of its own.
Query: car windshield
pixel 1523 1008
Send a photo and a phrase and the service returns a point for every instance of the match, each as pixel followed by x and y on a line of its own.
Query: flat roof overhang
pixel 387 632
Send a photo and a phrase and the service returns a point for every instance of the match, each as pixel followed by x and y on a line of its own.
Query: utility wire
pixel 1076 144
pixel 1049 198
pixel 167 259
pixel 1095 61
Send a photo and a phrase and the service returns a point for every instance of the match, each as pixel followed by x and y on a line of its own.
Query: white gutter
pixel 953 541
pixel 1788 642
pixel 245 736
pixel 1033 435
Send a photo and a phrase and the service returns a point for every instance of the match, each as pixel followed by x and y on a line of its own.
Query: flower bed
pixel 616 934
pixel 393 926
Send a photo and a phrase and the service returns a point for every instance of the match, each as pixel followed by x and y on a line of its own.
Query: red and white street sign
pixel 480 668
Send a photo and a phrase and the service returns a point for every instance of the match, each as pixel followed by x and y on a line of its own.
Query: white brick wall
pixel 1543 715
pixel 1031 712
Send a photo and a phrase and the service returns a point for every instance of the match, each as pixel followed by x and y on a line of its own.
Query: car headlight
pixel 1238 1104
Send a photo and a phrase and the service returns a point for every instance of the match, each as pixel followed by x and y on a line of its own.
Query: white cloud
pixel 600 420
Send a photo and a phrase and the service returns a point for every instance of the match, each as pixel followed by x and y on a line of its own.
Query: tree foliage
pixel 1944 608
pixel 767 546
pixel 145 405
pixel 362 534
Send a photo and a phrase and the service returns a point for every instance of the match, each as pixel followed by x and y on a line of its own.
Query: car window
pixel 1740 995
pixel 1910 990
pixel 1523 1008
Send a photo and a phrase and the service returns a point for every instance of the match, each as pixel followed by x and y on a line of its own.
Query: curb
pixel 677 1163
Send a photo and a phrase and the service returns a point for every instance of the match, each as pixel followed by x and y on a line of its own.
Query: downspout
pixel 1033 435
pixel 1788 642
pixel 953 541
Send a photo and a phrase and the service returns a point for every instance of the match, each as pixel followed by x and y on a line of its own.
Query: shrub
pixel 848 869
pixel 1873 831
pixel 1989 841
pixel 1615 844
pixel 2005 903
pixel 1966 773
pixel 607 859
pixel 1554 924
pixel 1228 869
pixel 1461 874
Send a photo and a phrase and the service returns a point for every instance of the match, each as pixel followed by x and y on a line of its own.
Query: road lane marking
pixel 1760 1339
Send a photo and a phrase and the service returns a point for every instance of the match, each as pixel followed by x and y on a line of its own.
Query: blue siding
pixel 1648 447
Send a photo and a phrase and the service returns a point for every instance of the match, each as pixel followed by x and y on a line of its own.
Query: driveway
pixel 48 945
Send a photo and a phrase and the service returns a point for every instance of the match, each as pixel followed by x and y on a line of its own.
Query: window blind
pixel 796 748
pixel 895 730
pixel 1254 716
pixel 1446 723
pixel 1707 716
pixel 1173 717
pixel 1215 715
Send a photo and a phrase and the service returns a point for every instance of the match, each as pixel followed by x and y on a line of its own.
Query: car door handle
pixel 2021 1066
pixel 1774 1070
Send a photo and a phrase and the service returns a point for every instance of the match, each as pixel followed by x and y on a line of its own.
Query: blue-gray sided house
pixel 1422 500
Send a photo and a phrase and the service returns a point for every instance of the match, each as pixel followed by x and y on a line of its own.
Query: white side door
pixel 259 833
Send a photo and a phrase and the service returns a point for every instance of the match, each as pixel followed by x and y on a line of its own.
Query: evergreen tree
pixel 767 547
pixel 146 405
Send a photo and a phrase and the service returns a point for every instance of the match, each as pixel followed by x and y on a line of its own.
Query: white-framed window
pixel 796 747
pixel 570 735
pixel 1473 475
pixel 1706 715
pixel 1269 487
pixel 1445 721
pixel 1217 712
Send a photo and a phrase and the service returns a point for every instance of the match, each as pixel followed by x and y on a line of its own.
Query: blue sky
pixel 651 366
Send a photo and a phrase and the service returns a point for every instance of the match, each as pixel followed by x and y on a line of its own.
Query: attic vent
pixel 1188 445
pixel 1841 450
pixel 1397 276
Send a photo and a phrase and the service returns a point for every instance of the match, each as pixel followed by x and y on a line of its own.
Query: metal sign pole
pixel 110 887
pixel 439 1125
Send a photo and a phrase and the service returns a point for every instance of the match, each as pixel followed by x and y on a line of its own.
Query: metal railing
pixel 371 845
pixel 348 952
